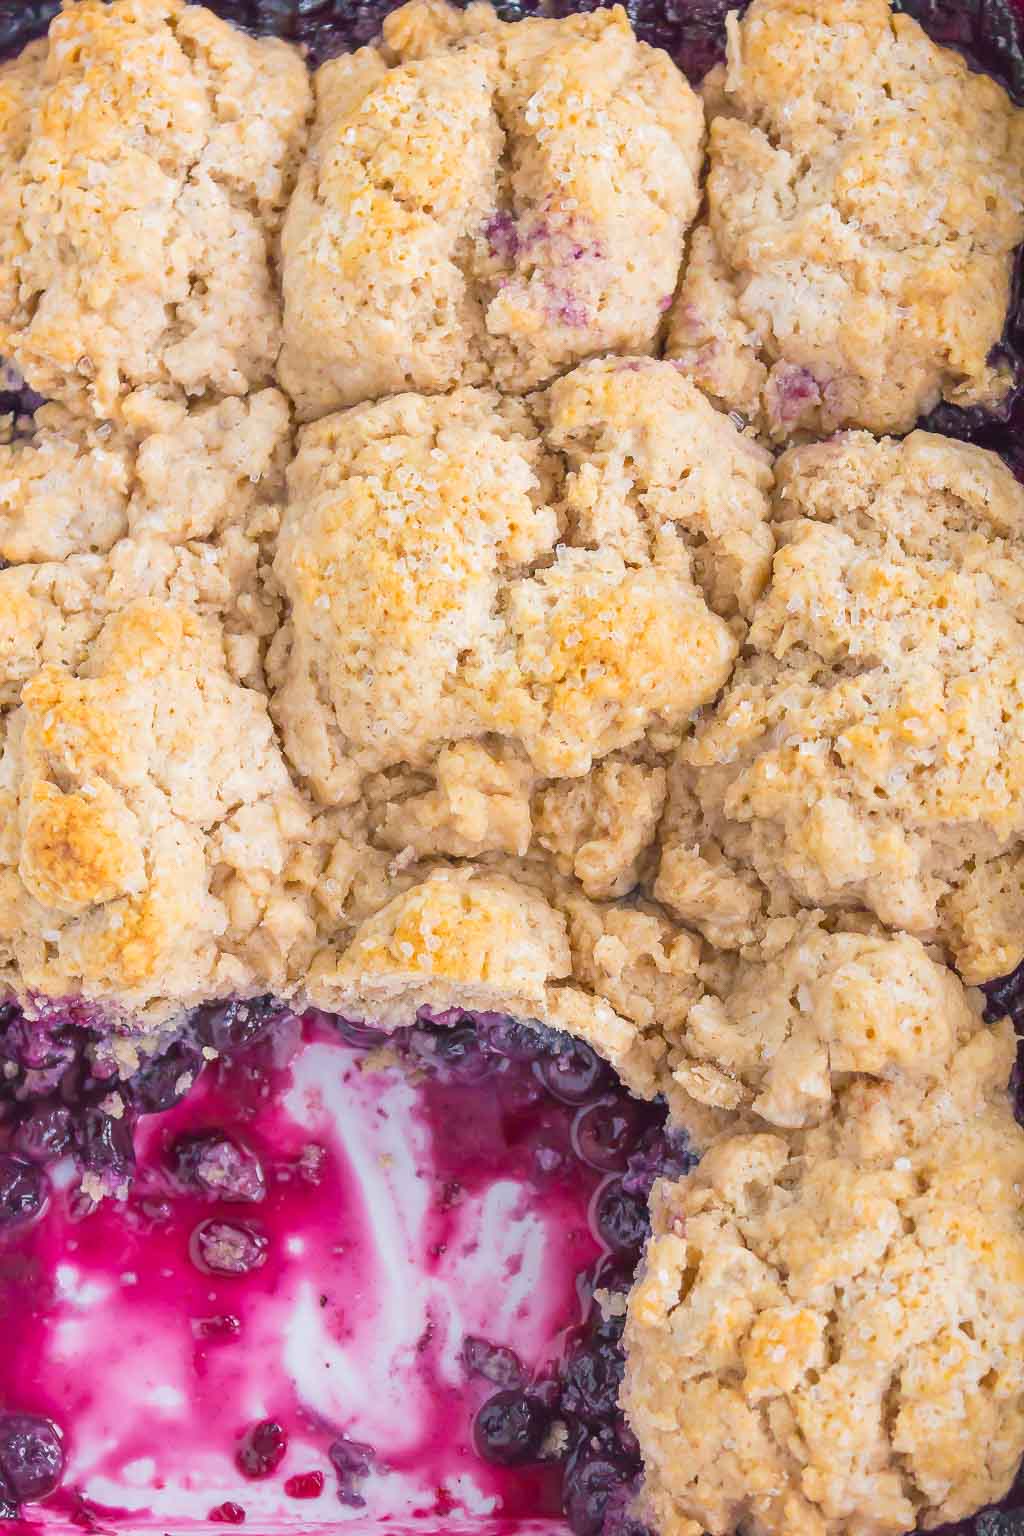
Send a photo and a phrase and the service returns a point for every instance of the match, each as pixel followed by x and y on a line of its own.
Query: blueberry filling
pixel 566 1417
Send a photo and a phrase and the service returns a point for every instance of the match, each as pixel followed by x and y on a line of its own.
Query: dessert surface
pixel 468 555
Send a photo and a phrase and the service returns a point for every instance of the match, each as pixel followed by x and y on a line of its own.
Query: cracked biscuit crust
pixel 866 190
pixel 440 564
pixel 867 752
pixel 76 487
pixel 780 1032
pixel 149 825
pixel 825 1335
pixel 485 202
pixel 149 149
pixel 502 617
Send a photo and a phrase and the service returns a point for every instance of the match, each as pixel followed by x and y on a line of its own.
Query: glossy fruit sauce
pixel 339 1277
pixel 335 1282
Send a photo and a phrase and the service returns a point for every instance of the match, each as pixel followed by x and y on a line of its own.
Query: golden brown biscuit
pixel 865 194
pixel 148 151
pixel 149 824
pixel 485 203
pixel 825 1334
pixel 869 750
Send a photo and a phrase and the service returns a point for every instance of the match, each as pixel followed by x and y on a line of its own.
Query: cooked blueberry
pixel 604 1134
pixel 23 1191
pixel 614 1272
pixel 510 1428
pixel 590 1383
pixel 494 1362
pixel 1005 997
pixel 262 1449
pixel 104 1144
pixel 621 1219
pixel 31 1456
pixel 362 1036
pixel 216 1166
pixel 227 1248
pixel 575 1075
pixel 228 1513
pixel 589 1486
pixel 453 1047
pixel 165 1080
pixel 37 1044
pixel 238 1023
pixel 45 1134
pixel 517 1040
pixel 352 1462
pixel 305 1485
pixel 663 1154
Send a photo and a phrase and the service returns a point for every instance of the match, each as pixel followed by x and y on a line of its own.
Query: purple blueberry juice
pixel 336 1275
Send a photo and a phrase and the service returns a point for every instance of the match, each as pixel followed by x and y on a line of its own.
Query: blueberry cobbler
pixel 511 767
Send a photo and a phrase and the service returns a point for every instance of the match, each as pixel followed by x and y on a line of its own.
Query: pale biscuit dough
pixel 148 150
pixel 869 750
pixel 431 597
pixel 52 611
pixel 501 618
pixel 488 942
pixel 865 193
pixel 777 1034
pixel 149 826
pixel 485 202
pixel 826 1333
pixel 76 487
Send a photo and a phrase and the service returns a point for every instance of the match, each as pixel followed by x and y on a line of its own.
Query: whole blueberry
pixel 164 1080
pixel 238 1023
pixel 510 1428
pixel 517 1040
pixel 621 1219
pixel 262 1449
pixel 361 1036
pixel 227 1248
pixel 217 1166
pixel 575 1074
pixel 31 1456
pixel 23 1191
pixel 104 1144
pixel 45 1134
pixel 604 1134
pixel 494 1362
pixel 589 1486
pixel 590 1383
